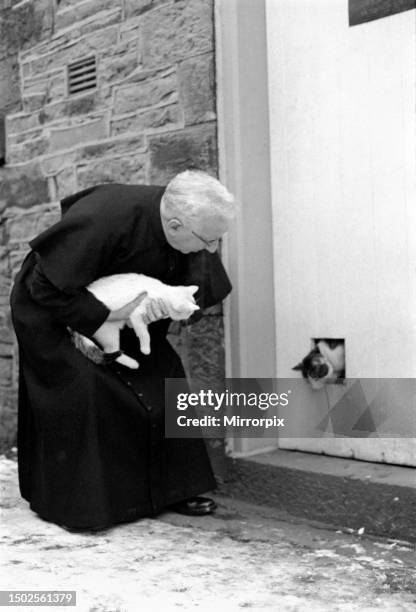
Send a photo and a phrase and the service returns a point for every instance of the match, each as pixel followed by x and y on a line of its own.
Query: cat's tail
pixel 86 346
pixel 95 354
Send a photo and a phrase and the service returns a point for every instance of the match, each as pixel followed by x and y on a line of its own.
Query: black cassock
pixel 91 444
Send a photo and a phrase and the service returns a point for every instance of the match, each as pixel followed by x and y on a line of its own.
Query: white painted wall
pixel 343 159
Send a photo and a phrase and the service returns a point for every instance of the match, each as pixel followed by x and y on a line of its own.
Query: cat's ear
pixel 192 289
pixel 298 368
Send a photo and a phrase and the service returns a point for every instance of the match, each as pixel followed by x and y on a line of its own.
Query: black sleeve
pixel 206 270
pixel 71 254
pixel 81 311
pixel 80 247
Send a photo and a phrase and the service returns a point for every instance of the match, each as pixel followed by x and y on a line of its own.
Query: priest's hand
pixel 156 309
pixel 122 314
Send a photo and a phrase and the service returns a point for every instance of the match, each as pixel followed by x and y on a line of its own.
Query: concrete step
pixel 340 492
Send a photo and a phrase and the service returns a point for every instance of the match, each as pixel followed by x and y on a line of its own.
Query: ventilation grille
pixel 82 75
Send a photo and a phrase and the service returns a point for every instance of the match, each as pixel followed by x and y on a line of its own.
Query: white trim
pixel 244 167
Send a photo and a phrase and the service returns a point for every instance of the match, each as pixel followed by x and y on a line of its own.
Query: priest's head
pixel 196 210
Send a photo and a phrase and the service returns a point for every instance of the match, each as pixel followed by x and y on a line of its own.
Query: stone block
pixel 4 258
pixel 112 147
pixel 56 87
pixel 25 226
pixel 22 186
pixel 68 137
pixel 129 169
pixel 54 111
pixel 173 152
pixel 9 73
pixel 157 91
pixel 15 139
pixel 70 111
pixel 176 31
pixel 5 288
pixel 53 164
pixel 50 45
pixel 6 365
pixel 163 117
pixel 34 20
pixel 15 366
pixel 8 420
pixel 65 182
pixel 6 326
pixel 206 351
pixel 6 346
pixel 33 102
pixel 36 85
pixel 26 25
pixel 119 62
pixel 5 271
pixel 103 19
pixel 201 349
pixel 64 4
pixel 74 14
pixel 137 7
pixel 130 29
pixel 81 106
pixel 72 51
pixel 197 88
pixel 30 149
pixel 17 256
pixel 21 122
pixel 26 69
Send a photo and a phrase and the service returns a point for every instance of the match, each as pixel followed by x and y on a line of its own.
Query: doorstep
pixel 344 493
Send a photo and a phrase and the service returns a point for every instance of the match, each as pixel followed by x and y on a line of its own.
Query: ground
pixel 244 556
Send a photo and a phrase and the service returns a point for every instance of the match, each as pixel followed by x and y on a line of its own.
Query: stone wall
pixel 152 114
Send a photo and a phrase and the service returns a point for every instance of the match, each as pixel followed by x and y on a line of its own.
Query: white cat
pixel 118 290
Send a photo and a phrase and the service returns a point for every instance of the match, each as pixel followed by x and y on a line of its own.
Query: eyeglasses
pixel 208 243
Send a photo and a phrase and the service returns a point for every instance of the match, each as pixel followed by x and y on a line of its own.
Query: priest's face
pixel 191 236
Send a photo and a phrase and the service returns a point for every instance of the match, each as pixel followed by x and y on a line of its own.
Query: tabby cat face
pixel 315 367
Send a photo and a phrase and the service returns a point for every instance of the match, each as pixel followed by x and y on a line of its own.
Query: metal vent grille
pixel 82 75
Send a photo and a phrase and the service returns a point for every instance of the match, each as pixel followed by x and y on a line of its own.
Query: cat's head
pixel 182 302
pixel 316 368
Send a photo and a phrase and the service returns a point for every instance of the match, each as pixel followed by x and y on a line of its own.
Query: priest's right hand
pixel 122 314
pixel 156 309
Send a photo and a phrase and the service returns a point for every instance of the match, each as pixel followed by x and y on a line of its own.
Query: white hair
pixel 194 193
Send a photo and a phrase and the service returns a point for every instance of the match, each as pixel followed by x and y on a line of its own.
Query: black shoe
pixel 85 529
pixel 195 506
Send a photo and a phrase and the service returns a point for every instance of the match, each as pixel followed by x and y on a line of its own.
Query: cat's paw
pixel 128 362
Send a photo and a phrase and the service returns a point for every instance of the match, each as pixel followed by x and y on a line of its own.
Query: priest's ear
pixel 174 225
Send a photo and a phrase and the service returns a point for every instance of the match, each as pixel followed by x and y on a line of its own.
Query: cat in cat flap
pixel 325 363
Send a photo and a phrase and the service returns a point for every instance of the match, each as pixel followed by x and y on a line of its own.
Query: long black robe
pixel 91 445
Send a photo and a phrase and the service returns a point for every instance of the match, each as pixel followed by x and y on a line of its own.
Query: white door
pixel 342 123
